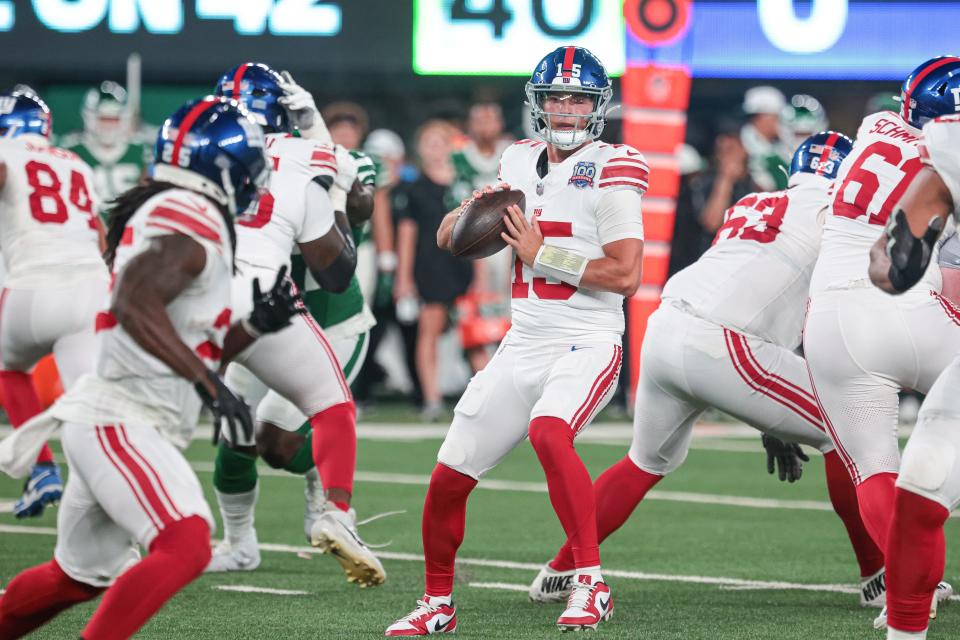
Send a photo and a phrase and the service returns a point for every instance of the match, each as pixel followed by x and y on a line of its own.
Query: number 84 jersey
pixel 566 198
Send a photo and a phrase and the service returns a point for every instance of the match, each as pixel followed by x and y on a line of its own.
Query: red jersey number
pixel 46 202
pixel 541 288
pixel 753 219
pixel 263 215
pixel 875 183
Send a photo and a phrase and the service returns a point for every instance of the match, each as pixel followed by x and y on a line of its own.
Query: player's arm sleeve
pixel 619 216
pixel 626 171
pixel 941 138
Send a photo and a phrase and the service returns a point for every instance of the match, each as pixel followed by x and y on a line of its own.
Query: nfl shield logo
pixel 583 174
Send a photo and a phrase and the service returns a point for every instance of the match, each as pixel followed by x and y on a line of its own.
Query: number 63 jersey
pixel 49 229
pixel 566 202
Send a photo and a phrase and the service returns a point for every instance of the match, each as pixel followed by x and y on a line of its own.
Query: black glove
pixel 786 456
pixel 228 407
pixel 272 310
pixel 909 255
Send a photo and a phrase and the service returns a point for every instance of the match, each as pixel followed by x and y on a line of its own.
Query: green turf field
pixel 686 566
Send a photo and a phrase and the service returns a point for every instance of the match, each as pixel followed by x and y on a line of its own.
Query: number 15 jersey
pixel 49 229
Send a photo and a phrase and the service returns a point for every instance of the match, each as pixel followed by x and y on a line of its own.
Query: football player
pixel 725 336
pixel 855 382
pixel 577 249
pixel 168 326
pixel 298 363
pixel 56 278
pixel 928 486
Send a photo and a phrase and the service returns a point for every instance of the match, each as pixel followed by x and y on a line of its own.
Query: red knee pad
pixel 188 540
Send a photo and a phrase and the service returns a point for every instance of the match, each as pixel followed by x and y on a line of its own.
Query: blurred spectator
pixel 347 122
pixel 802 118
pixel 768 154
pixel 424 271
pixel 883 101
pixel 705 195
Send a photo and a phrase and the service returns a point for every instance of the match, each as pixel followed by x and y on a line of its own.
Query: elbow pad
pixel 337 275
pixel 909 255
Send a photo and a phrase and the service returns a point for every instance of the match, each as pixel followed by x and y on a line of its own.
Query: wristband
pixel 245 323
pixel 566 266
pixel 387 261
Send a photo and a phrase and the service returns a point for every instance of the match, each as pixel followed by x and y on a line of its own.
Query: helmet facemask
pixel 586 127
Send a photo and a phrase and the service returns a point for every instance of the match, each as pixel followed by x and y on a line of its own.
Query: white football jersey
pixel 564 202
pixel 267 237
pixel 755 277
pixel 940 149
pixel 200 314
pixel 49 229
pixel 870 182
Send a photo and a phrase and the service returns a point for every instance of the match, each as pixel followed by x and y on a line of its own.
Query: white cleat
pixel 873 590
pixel 942 594
pixel 589 604
pixel 335 532
pixel 551 585
pixel 244 556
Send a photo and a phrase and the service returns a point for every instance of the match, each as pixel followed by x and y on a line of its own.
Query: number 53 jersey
pixel 49 229
pixel 571 201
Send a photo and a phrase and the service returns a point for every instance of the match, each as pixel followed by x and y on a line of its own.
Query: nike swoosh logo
pixel 442 626
pixel 602 604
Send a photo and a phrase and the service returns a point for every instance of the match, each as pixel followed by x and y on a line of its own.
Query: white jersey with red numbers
pixel 756 276
pixel 565 202
pixel 267 237
pixel 871 180
pixel 149 391
pixel 940 149
pixel 49 229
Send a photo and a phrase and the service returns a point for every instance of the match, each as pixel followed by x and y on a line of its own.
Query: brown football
pixel 476 233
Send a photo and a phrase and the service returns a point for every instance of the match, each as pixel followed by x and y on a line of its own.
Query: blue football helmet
pixel 821 154
pixel 257 87
pixel 212 146
pixel 569 70
pixel 24 112
pixel 931 90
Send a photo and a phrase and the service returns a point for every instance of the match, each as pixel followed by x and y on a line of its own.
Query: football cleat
pixel 335 532
pixel 551 585
pixel 588 604
pixel 243 556
pixel 873 590
pixel 43 487
pixel 942 594
pixel 432 615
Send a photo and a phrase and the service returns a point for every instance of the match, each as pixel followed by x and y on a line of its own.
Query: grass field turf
pixel 665 539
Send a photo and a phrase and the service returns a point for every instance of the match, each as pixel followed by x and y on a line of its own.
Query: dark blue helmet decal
pixel 257 87
pixel 821 154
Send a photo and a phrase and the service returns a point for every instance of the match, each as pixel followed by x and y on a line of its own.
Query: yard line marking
pixel 6 506
pixel 506 586
pixel 245 588
pixel 533 566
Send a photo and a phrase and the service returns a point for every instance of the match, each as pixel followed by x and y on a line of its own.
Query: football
pixel 476 233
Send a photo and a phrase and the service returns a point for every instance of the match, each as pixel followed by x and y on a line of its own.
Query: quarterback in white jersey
pixel 298 363
pixel 578 248
pixel 725 336
pixel 162 338
pixel 50 239
pixel 862 346
pixel 928 486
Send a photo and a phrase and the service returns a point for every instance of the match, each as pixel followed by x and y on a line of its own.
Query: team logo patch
pixel 583 175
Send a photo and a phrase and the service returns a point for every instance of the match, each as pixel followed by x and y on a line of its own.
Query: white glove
pixel 303 110
pixel 346 169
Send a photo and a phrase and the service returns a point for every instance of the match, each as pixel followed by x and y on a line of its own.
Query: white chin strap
pixel 192 181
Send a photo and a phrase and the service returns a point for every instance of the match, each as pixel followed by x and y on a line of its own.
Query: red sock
pixel 875 495
pixel 21 403
pixel 915 560
pixel 843 496
pixel 335 446
pixel 444 520
pixel 36 596
pixel 617 492
pixel 570 487
pixel 178 555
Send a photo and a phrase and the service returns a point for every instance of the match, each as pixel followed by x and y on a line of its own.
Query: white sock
pixel 438 600
pixel 237 510
pixel 895 634
pixel 593 572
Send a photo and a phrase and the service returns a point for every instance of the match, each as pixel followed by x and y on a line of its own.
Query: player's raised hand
pixel 273 310
pixel 786 457
pixel 229 411
pixel 525 238
pixel 302 110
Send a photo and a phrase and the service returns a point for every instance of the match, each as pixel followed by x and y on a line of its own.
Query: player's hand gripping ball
pixel 476 233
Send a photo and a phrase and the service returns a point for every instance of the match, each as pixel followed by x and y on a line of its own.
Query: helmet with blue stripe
pixel 24 112
pixel 257 87
pixel 821 154
pixel 568 70
pixel 212 146
pixel 931 90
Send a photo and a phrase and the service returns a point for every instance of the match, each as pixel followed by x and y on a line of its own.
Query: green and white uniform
pixel 115 169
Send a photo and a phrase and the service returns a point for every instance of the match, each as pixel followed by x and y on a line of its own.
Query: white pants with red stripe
pixel 37 322
pixel 570 381
pixel 689 364
pixel 862 347
pixel 127 483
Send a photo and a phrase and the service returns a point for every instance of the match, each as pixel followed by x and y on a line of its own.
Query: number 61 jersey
pixel 566 202
pixel 49 229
